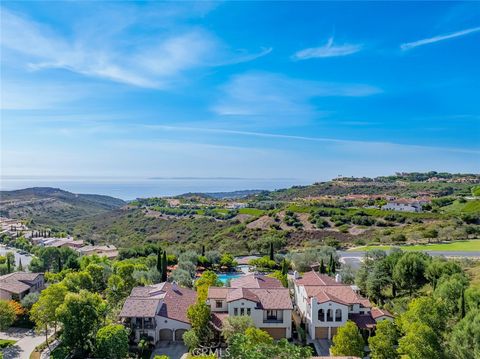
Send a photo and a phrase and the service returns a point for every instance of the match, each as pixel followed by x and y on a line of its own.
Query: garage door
pixel 276 333
pixel 321 333
pixel 334 331
pixel 179 334
pixel 165 334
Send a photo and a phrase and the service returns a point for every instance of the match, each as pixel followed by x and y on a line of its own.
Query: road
pixel 26 339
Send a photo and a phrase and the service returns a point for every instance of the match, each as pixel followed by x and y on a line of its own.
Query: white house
pixel 158 311
pixel 403 205
pixel 325 304
pixel 262 298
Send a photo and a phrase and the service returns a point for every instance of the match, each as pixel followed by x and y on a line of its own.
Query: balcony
pixel 273 320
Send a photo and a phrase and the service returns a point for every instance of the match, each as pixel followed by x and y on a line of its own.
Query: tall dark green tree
pixel 203 251
pixel 164 266
pixel 159 260
pixel 284 267
pixel 271 252
pixel 323 270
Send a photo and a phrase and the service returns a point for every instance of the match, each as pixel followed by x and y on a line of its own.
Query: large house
pixel 18 284
pixel 325 304
pixel 262 298
pixel 158 311
pixel 404 205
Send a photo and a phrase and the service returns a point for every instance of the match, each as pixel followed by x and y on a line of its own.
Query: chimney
pixel 338 278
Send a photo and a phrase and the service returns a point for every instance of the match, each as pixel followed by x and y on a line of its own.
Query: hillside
pixel 53 206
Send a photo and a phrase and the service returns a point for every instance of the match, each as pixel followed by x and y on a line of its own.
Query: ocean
pixel 131 188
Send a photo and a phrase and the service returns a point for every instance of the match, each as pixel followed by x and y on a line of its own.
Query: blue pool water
pixel 224 277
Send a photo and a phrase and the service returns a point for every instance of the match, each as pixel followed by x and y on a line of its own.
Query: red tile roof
pixel 342 294
pixel 217 319
pixel 314 278
pixel 363 321
pixel 377 313
pixel 255 281
pixel 18 282
pixel 266 298
pixel 163 299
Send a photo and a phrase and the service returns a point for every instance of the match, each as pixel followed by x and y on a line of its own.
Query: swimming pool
pixel 224 277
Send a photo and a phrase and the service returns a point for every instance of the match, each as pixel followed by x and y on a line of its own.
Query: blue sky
pixel 239 89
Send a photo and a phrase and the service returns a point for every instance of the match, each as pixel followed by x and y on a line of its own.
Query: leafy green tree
pixel 235 325
pixel 451 290
pixel 377 280
pixel 228 261
pixel 409 272
pixel 199 317
pixel 281 277
pixel 80 315
pixel 99 276
pixel 7 315
pixel 29 300
pixel 77 281
pixel 44 311
pixel 439 267
pixel 182 277
pixel 382 344
pixel 206 280
pixel 112 342
pixel 426 310
pixel 420 342
pixel 191 340
pixel 348 341
pixel 116 290
pixel 464 341
pixel 472 298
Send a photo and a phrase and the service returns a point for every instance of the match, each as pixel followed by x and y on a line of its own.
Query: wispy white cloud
pixel 355 145
pixel 263 94
pixel 431 40
pixel 327 50
pixel 109 51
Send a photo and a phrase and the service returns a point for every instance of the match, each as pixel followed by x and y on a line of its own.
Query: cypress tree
pixel 322 267
pixel 159 260
pixel 164 266
pixel 271 251
pixel 60 265
pixel 9 265
pixel 20 266
pixel 462 304
pixel 203 251
pixel 284 267
pixel 332 265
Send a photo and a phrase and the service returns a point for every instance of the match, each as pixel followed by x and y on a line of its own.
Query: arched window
pixel 338 315
pixel 321 315
pixel 330 315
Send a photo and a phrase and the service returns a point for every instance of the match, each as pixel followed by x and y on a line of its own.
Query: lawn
pixel 457 246
pixel 251 211
pixel 4 343
pixel 467 207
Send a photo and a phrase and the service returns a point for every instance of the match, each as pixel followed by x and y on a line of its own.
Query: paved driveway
pixel 174 350
pixel 26 339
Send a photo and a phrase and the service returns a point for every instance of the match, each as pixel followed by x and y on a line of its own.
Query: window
pixel 272 315
pixel 321 315
pixel 235 311
pixel 242 311
pixel 330 315
pixel 249 311
pixel 338 315
pixel 218 304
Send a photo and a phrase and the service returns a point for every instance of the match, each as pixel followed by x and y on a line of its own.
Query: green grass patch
pixel 251 211
pixel 467 207
pixel 457 246
pixel 5 343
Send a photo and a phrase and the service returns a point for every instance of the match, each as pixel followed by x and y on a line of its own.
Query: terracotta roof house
pixel 262 298
pixel 325 304
pixel 18 284
pixel 158 311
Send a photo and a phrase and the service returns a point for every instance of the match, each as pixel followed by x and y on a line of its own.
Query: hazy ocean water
pixel 131 188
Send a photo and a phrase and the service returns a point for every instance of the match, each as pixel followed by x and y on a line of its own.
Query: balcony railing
pixel 273 320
